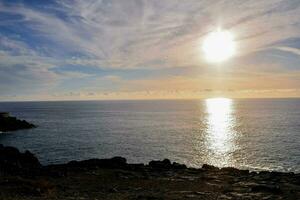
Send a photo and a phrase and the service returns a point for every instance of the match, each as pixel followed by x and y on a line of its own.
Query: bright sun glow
pixel 218 46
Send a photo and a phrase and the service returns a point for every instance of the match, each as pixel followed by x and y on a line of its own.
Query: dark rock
pixel 149 197
pixel 112 190
pixel 235 171
pixel 12 124
pixel 209 167
pixel 157 164
pixel 158 180
pixel 166 164
pixel 267 176
pixel 13 161
pixel 266 188
pixel 176 165
pixel 29 160
pixel 115 163
pixel 136 167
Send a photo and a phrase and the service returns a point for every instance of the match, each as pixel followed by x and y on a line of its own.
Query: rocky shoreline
pixel 23 177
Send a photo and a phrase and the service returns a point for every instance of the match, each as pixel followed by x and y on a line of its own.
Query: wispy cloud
pixel 290 50
pixel 134 34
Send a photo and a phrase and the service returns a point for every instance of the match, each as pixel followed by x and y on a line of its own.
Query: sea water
pixel 255 134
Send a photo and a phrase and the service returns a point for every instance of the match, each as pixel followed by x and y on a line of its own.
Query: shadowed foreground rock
pixel 14 162
pixel 22 177
pixel 8 123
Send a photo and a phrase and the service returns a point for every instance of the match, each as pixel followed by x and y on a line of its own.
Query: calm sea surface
pixel 261 134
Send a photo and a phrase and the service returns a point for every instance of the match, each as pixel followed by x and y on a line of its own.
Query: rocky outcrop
pixel 113 163
pixel 114 178
pixel 12 161
pixel 165 165
pixel 8 123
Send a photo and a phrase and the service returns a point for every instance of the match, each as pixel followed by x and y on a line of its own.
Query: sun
pixel 219 46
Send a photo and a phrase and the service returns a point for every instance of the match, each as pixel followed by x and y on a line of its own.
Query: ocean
pixel 254 134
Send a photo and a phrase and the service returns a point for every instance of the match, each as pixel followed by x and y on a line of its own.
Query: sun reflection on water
pixel 220 131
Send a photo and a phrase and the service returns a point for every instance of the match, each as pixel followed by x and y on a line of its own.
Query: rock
pixel 112 190
pixel 224 197
pixel 136 167
pixel 157 164
pixel 209 167
pixel 29 160
pixel 8 123
pixel 176 165
pixel 166 164
pixel 235 171
pixel 148 197
pixel 11 160
pixel 266 175
pixel 114 163
pixel 115 179
pixel 274 189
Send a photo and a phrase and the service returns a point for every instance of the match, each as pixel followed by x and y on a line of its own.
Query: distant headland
pixel 9 123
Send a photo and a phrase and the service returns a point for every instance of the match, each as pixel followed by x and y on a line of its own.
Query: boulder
pixel 209 167
pixel 13 161
pixel 157 164
pixel 176 165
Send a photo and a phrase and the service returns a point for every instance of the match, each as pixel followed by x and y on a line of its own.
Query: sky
pixel 146 49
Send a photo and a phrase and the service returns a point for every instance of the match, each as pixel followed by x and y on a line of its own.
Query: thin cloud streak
pixel 290 50
pixel 112 33
pixel 137 34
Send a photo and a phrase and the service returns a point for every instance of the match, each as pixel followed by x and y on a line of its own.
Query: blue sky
pixel 53 50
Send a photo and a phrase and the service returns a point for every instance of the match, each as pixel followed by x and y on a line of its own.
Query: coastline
pixel 23 177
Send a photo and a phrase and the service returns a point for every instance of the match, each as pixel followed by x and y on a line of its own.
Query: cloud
pixel 22 79
pixel 22 70
pixel 133 35
pixel 290 50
